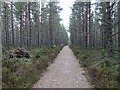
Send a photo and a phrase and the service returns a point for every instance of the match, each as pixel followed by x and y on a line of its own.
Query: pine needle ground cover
pixel 23 72
pixel 102 72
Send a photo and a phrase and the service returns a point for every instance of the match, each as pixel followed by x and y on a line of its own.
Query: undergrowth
pixel 103 72
pixel 23 72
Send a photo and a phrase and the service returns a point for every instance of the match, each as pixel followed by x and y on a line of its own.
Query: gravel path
pixel 65 72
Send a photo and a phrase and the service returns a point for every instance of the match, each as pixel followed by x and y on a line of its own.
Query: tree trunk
pixel 29 19
pixel 119 24
pixel 26 26
pixel 6 24
pixel 50 25
pixel 109 31
pixel 12 25
pixel 21 24
pixel 90 36
pixel 86 26
pixel 103 28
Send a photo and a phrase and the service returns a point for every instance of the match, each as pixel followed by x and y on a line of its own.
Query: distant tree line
pixel 96 25
pixel 27 24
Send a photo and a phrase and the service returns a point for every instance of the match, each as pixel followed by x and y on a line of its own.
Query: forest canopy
pixel 27 24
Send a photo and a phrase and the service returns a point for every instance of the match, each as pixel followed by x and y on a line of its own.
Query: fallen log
pixel 19 53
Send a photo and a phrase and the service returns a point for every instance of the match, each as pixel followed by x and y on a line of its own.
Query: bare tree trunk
pixel 90 36
pixel 119 24
pixel 21 24
pixel 38 25
pixel 109 31
pixel 12 25
pixel 103 29
pixel 83 26
pixel 26 26
pixel 30 29
pixel 6 25
pixel 50 25
pixel 0 47
pixel 86 26
pixel 38 34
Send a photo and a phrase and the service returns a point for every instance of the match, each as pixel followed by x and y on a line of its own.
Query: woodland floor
pixel 65 72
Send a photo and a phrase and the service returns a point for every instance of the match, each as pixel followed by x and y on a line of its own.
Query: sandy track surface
pixel 65 72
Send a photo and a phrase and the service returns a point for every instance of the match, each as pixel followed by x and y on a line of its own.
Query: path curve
pixel 65 72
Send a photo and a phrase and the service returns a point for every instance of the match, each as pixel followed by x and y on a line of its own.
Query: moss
pixel 102 71
pixel 22 72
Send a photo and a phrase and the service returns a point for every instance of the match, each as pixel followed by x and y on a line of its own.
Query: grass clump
pixel 103 72
pixel 23 72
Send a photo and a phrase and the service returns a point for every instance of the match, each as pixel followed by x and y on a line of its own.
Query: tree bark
pixel 21 24
pixel 30 29
pixel 12 24
pixel 109 31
